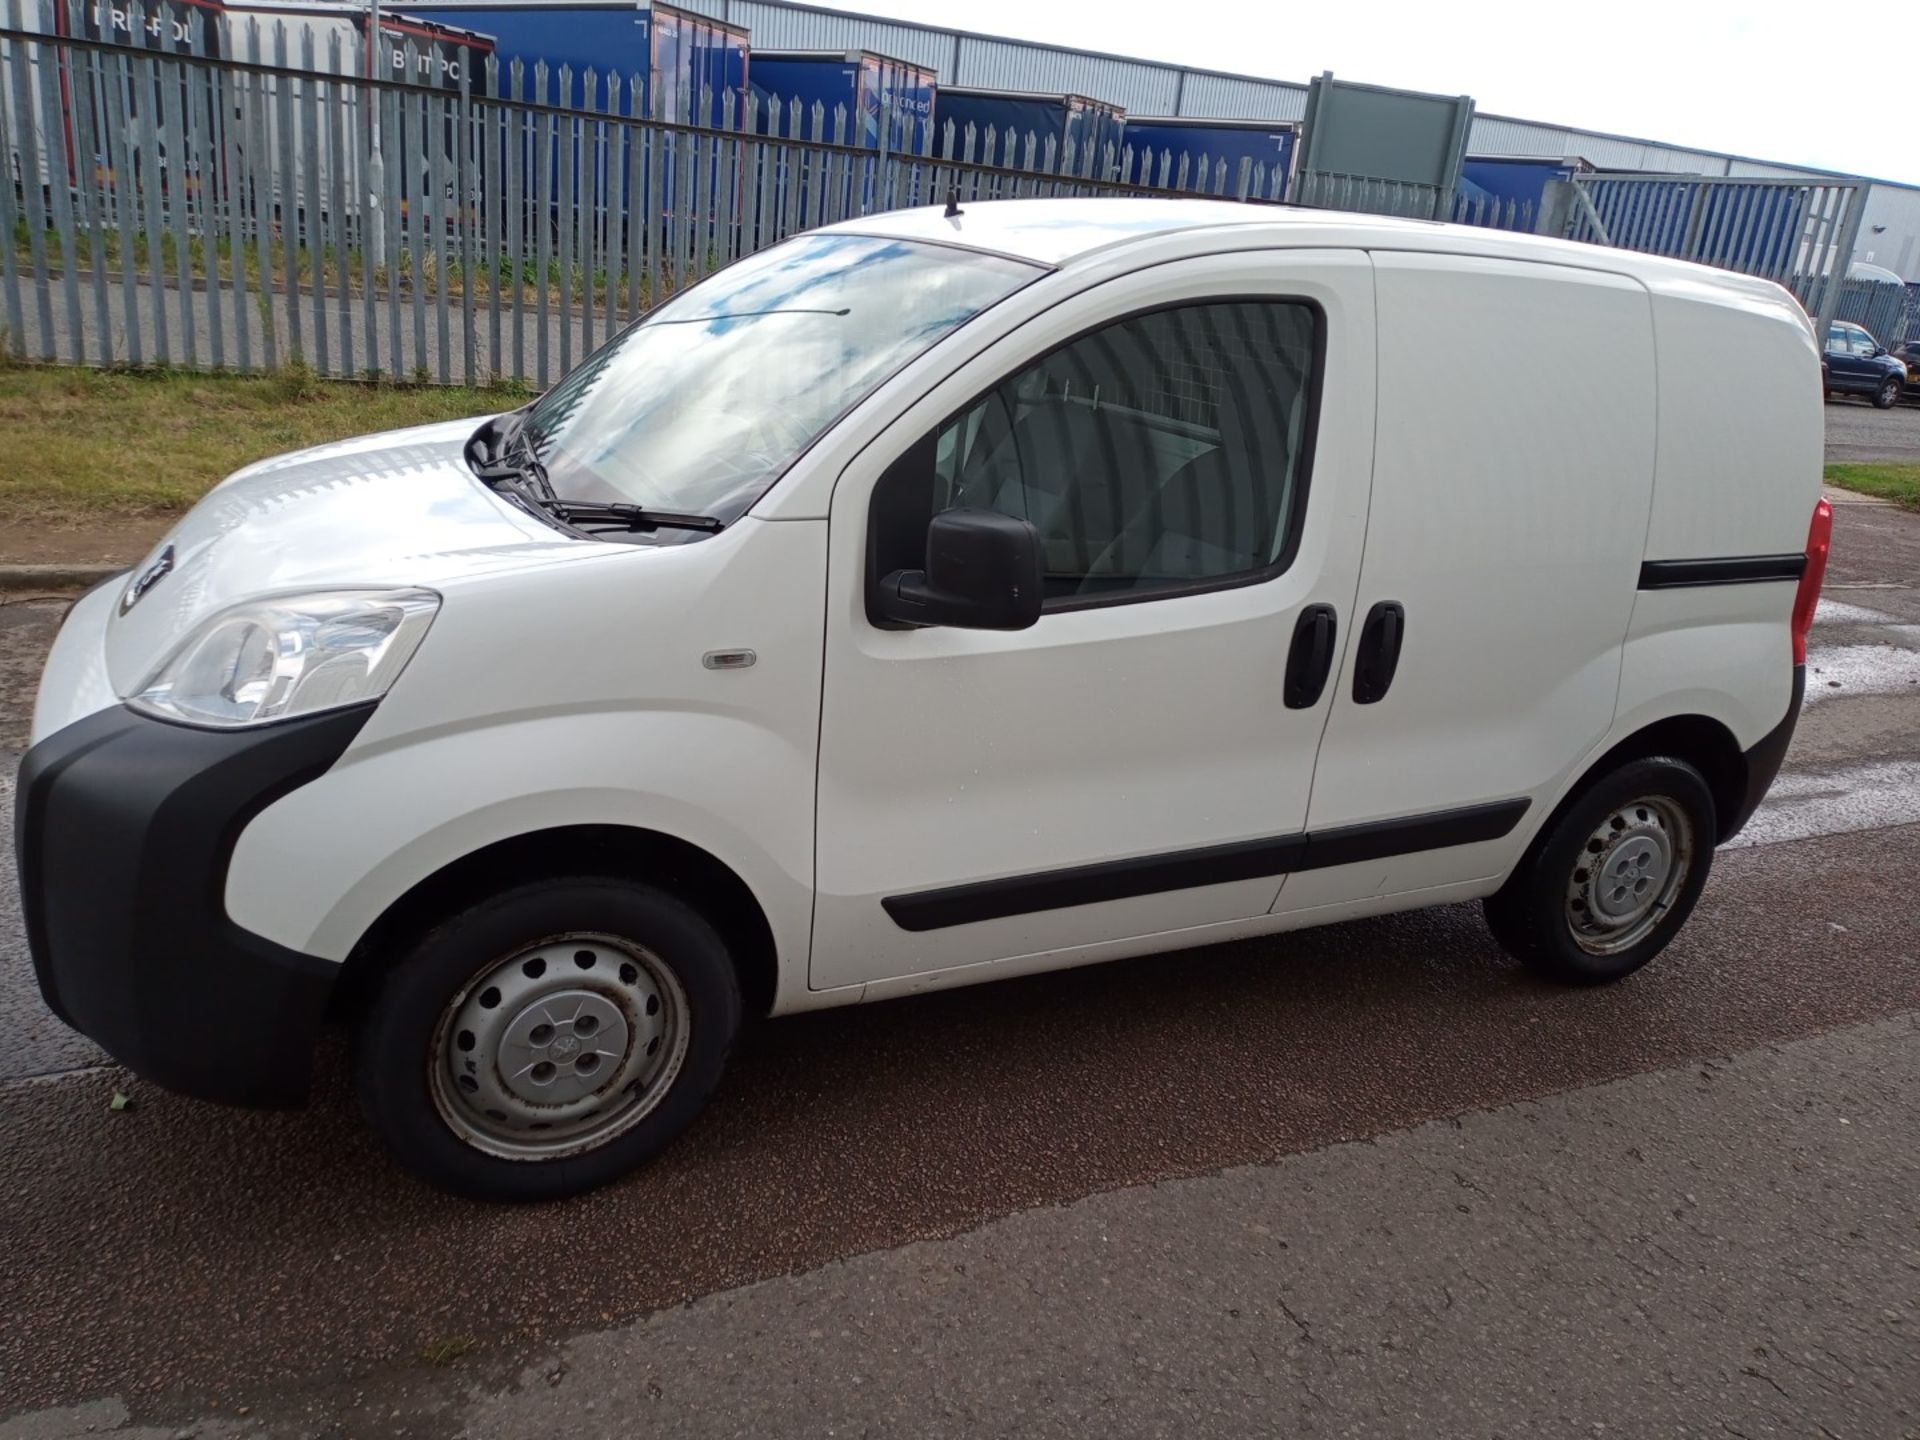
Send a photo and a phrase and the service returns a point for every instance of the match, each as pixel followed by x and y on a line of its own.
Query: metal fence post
pixel 1849 236
pixel 467 198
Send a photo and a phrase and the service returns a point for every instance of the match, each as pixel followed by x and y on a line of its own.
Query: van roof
pixel 1061 233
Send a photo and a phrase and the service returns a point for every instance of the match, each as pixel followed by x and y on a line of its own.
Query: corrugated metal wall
pixel 1897 246
pixel 1492 135
pixel 1498 135
pixel 1228 97
pixel 784 27
pixel 1010 65
pixel 1760 170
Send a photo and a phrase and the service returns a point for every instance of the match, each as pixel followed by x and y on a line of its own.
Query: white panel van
pixel 929 599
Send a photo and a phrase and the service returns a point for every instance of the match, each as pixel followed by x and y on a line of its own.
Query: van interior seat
pixel 1118 499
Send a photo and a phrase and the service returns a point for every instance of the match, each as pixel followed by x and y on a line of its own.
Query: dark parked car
pixel 1908 354
pixel 1858 364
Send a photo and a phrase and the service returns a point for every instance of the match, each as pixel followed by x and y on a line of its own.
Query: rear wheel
pixel 1611 880
pixel 548 1040
pixel 1888 395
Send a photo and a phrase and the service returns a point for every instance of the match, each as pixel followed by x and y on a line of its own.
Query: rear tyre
pixel 1613 877
pixel 548 1040
pixel 1888 395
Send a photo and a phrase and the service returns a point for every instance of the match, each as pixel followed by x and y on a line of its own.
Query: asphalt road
pixel 1857 431
pixel 1016 1209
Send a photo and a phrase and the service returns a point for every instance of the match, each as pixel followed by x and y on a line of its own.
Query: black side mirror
pixel 983 573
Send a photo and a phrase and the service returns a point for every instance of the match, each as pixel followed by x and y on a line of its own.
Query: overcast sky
pixel 1734 76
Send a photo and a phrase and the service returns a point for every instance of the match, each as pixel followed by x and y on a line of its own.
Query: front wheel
pixel 1887 395
pixel 548 1040
pixel 1612 879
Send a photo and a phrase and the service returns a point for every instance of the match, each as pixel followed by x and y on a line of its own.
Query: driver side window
pixel 1165 452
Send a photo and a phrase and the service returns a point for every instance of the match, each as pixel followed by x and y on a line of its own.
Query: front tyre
pixel 548 1040
pixel 1888 394
pixel 1612 879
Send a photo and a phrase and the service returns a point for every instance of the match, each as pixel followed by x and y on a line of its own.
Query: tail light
pixel 1819 541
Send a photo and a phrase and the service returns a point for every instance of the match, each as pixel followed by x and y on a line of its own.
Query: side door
pixel 1192 443
pixel 1507 527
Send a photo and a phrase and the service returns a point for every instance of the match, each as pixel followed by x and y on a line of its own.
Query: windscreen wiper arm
pixel 499 452
pixel 629 517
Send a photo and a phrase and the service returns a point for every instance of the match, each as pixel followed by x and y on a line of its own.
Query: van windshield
pixel 700 405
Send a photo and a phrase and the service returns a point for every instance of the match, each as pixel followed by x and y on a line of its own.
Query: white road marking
pixel 1803 805
pixel 1836 612
pixel 1840 670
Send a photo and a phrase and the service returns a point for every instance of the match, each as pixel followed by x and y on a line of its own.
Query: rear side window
pixel 1166 452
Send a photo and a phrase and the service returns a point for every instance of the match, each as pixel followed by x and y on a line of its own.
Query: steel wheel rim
pixel 559 1047
pixel 1628 874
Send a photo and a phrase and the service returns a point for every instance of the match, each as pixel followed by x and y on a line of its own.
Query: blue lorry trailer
pixel 872 88
pixel 1517 177
pixel 1159 143
pixel 1060 118
pixel 675 54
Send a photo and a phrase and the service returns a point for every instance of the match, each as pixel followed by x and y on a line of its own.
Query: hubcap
pixel 559 1047
pixel 1628 874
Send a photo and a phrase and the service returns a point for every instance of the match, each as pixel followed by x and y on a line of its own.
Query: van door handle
pixel 1379 651
pixel 1310 660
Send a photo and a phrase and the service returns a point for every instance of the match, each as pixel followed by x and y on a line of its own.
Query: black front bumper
pixel 124 828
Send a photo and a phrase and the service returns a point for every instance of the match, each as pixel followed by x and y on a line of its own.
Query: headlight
pixel 272 659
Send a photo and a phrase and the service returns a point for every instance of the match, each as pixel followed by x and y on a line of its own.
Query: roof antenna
pixel 953 203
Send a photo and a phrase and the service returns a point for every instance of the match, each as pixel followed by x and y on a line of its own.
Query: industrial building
pixel 1889 234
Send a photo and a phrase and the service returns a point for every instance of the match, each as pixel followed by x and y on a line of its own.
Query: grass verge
pixel 89 446
pixel 1898 483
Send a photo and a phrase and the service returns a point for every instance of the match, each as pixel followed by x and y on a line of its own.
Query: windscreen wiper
pixel 500 454
pixel 584 513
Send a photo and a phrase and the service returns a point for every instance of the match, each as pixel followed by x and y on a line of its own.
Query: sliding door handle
pixel 1379 654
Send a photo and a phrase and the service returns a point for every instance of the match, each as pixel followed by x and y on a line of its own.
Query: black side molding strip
pixel 1190 869
pixel 1726 570
pixel 1095 884
pixel 1379 839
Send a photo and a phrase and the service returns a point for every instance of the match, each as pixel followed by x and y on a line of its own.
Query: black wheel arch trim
pixel 1207 865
